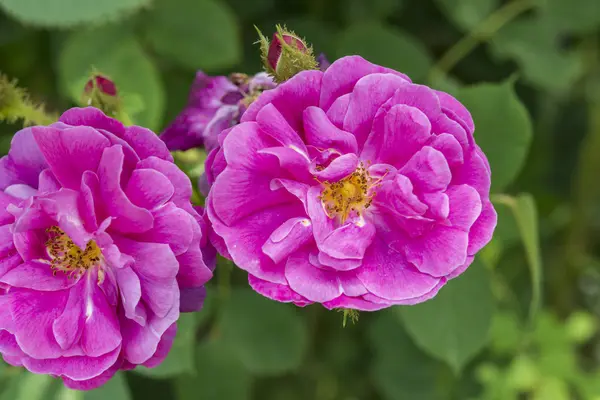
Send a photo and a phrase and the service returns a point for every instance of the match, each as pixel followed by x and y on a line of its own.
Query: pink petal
pixel 24 161
pixel 179 180
pixel 354 303
pixel 276 292
pixel 95 382
pixel 401 124
pixel 299 92
pixel 241 147
pixel 238 193
pixel 162 350
pixel 450 103
pixel 370 93
pixel 338 110
pixel 292 162
pixel 140 343
pixel 101 332
pixel 246 237
pixel 272 123
pixel 339 168
pixel 387 274
pixel 465 206
pixel 75 368
pixel 349 241
pixel 483 228
pixel 146 143
pixel 67 328
pixel 70 152
pixel 449 147
pixel 322 133
pixel 90 116
pixel 130 290
pixel 342 75
pixel 439 252
pixel 33 314
pixel 148 188
pixel 287 238
pixel 428 170
pixel 129 218
pixel 309 281
pixel 37 276
pixel 172 226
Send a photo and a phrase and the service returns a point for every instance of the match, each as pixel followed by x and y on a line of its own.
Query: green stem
pixel 35 115
pixel 482 32
pixel 224 279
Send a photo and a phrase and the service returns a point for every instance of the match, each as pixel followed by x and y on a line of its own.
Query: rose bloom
pixel 214 104
pixel 100 249
pixel 353 187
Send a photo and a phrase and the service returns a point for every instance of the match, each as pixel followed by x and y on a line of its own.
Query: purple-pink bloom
pixel 353 187
pixel 100 249
pixel 214 104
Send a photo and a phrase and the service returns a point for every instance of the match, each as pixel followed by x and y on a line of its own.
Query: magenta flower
pixel 351 187
pixel 100 249
pixel 214 104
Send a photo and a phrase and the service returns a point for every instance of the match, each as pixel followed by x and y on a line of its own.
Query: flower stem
pixel 15 104
pixel 35 115
pixel 482 32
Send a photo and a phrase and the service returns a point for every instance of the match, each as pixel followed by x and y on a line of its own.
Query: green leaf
pixel 195 34
pixel 454 326
pixel 24 385
pixel 115 389
pixel 220 375
pixel 387 46
pixel 399 369
pixel 506 333
pixel 360 10
pixel 503 128
pixel 321 36
pixel 270 338
pixel 534 44
pixel 525 214
pixel 466 14
pixel 576 16
pixel 113 51
pixel 68 13
pixel 181 357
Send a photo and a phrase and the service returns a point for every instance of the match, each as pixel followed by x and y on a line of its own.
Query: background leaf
pixel 195 34
pixel 525 214
pixel 214 360
pixel 503 128
pixel 400 369
pixel 270 338
pixel 395 49
pixel 466 14
pixel 115 52
pixel 181 357
pixel 67 13
pixel 454 325
pixel 534 43
pixel 577 16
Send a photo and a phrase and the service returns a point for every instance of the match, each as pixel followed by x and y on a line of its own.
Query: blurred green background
pixel 521 323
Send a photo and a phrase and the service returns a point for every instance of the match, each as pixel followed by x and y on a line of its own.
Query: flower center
pixel 67 257
pixel 350 194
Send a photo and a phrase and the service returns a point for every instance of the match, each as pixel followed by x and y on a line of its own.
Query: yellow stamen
pixel 68 258
pixel 353 193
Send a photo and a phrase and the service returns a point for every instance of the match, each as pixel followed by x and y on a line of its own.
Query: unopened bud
pixel 102 84
pixel 101 92
pixel 286 55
